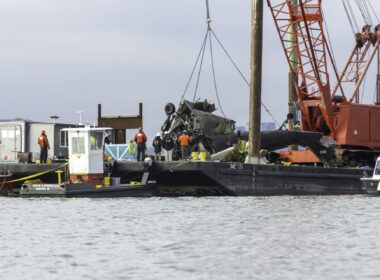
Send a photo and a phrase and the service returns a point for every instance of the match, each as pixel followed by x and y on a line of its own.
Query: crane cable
pixel 243 77
pixel 331 52
pixel 200 69
pixel 214 76
pixel 195 66
pixel 367 12
pixel 364 11
pixel 373 11
pixel 208 20
pixel 201 56
pixel 353 15
pixel 350 16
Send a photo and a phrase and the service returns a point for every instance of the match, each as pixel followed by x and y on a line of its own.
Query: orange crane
pixel 335 111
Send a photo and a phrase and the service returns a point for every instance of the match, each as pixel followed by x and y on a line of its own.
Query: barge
pixel 202 178
pixel 87 174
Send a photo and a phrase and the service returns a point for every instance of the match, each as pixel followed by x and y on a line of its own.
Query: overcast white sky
pixel 61 56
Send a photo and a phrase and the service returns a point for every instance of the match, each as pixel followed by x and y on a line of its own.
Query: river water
pixel 190 238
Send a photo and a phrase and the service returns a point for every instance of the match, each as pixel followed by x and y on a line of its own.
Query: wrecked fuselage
pixel 199 120
pixel 214 133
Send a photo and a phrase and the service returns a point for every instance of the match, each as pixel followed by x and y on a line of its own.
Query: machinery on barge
pixel 338 111
pixel 324 114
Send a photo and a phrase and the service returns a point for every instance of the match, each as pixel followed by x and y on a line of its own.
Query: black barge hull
pixel 197 178
pixel 88 190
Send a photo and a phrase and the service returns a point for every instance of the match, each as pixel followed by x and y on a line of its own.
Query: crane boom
pixel 304 21
pixel 366 46
pixel 327 109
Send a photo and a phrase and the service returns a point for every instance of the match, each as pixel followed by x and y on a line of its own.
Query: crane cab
pixel 86 160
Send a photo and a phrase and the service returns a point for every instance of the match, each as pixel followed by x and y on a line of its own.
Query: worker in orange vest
pixel 43 142
pixel 184 140
pixel 140 139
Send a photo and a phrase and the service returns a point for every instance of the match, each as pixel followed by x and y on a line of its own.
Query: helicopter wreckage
pixel 215 133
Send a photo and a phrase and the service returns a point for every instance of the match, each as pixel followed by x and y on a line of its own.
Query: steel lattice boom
pixel 300 27
pixel 326 109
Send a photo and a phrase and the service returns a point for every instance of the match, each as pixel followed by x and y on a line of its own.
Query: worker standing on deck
pixel 132 149
pixel 44 146
pixel 184 141
pixel 157 145
pixel 168 145
pixel 140 139
pixel 290 122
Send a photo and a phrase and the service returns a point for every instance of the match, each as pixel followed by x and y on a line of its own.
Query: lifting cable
pixel 361 97
pixel 331 51
pixel 200 58
pixel 195 66
pixel 200 69
pixel 350 16
pixel 373 11
pixel 214 76
pixel 353 16
pixel 367 12
pixel 364 11
pixel 208 36
pixel 242 76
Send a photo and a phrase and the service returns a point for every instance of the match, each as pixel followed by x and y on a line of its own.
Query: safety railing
pixel 119 152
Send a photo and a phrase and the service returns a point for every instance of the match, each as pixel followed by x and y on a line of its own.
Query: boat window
pixel 96 140
pixel 64 140
pixel 377 168
pixel 78 145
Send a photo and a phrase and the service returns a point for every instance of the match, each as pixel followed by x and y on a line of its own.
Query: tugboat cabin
pixel 86 154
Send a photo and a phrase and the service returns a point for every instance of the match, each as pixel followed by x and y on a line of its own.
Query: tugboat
pixel 372 185
pixel 88 172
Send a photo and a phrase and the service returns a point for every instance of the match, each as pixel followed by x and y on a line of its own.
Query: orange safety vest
pixel 43 142
pixel 140 138
pixel 184 140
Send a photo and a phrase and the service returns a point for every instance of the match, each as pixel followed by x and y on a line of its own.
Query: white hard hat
pixel 158 134
pixel 166 132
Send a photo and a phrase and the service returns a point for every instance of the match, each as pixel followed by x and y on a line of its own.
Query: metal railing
pixel 119 152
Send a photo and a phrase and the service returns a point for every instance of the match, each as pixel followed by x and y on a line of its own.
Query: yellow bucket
pixel 202 156
pixel 107 181
pixel 38 161
pixel 194 155
pixel 49 161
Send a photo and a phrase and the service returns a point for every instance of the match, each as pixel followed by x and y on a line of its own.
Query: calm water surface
pixel 191 238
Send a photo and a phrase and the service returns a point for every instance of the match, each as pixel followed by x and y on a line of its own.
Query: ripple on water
pixel 190 238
